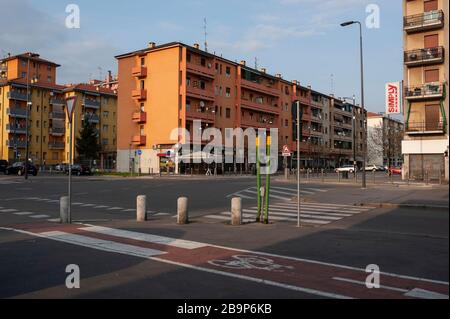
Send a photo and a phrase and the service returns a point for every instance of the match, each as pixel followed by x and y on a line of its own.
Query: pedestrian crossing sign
pixel 286 151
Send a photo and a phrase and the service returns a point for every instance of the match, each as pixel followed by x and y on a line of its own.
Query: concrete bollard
pixel 236 211
pixel 323 175
pixel 141 208
pixel 182 211
pixel 339 176
pixel 64 209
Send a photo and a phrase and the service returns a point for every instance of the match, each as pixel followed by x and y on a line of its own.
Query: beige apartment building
pixel 426 142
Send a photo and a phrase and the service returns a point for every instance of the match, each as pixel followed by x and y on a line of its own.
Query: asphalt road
pixel 403 241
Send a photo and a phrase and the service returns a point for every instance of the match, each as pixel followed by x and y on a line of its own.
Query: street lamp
pixel 345 24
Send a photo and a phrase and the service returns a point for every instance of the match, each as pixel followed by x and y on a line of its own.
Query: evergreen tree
pixel 87 144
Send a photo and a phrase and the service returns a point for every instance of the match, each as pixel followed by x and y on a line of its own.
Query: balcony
pixel 200 114
pixel 140 117
pixel 424 92
pixel 93 118
pixel 14 95
pixel 92 104
pixel 139 94
pixel 3 68
pixel 56 145
pixel 139 71
pixel 139 140
pixel 419 128
pixel 16 144
pixel 57 131
pixel 17 113
pixel 56 115
pixel 57 101
pixel 264 124
pixel 200 70
pixel 16 129
pixel 424 56
pixel 258 87
pixel 424 22
pixel 200 94
pixel 246 104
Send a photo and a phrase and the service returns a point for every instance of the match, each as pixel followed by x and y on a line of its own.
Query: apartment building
pixel 98 106
pixel 385 136
pixel 30 73
pixel 169 86
pixel 426 141
pixel 48 124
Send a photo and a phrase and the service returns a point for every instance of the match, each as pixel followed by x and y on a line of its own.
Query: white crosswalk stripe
pixel 278 193
pixel 314 214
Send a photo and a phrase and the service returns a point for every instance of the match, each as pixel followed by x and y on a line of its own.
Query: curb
pixel 391 205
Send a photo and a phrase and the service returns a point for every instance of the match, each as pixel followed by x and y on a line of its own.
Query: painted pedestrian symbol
pixel 250 262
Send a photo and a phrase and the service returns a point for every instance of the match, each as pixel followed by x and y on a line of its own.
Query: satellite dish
pixel 202 104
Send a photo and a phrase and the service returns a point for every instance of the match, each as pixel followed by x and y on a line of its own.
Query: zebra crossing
pixel 278 193
pixel 312 214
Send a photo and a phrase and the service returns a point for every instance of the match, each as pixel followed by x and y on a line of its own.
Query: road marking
pixel 271 213
pixel 78 204
pixel 8 210
pixel 116 208
pixel 145 237
pixel 23 213
pixel 54 220
pixel 87 205
pixel 100 207
pixel 39 216
pixel 271 195
pixel 129 210
pixel 104 245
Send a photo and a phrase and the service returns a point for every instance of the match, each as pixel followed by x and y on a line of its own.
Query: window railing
pixel 425 90
pixel 424 126
pixel 423 20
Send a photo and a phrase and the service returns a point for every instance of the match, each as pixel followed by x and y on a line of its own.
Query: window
pixel 105 114
pixel 142 84
pixel 105 141
pixel 431 41
pixel 45 124
pixel 49 68
pixel 188 105
pixel 105 128
pixel 37 108
pixel 44 139
pixel 24 74
pixel 431 76
pixel 202 85
pixel 228 92
pixel 142 106
pixel 228 71
pixel 188 81
pixel 55 156
pixel 286 123
pixel 431 5
pixel 37 124
pixel 142 61
pixel 203 61
pixel 49 78
pixel 228 113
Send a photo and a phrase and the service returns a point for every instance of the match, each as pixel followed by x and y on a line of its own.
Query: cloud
pixel 79 52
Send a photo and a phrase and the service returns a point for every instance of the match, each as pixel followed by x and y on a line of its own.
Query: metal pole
pixel 267 192
pixel 364 181
pixel 27 120
pixel 70 175
pixel 298 165
pixel 355 170
pixel 258 179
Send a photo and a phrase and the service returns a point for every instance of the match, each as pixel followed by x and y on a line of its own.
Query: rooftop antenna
pixel 256 63
pixel 100 73
pixel 205 28
pixel 332 83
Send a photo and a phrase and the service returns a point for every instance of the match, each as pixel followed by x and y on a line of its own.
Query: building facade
pixel 384 140
pixel 169 86
pixel 426 59
pixel 47 121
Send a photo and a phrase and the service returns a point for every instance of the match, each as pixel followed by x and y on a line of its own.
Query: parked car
pixel 346 168
pixel 374 168
pixel 79 170
pixel 19 169
pixel 395 170
pixel 3 166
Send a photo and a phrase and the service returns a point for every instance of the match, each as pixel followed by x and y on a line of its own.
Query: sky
pixel 301 39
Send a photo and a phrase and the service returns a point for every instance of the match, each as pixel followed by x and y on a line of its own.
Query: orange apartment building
pixel 426 65
pixel 168 86
pixel 48 125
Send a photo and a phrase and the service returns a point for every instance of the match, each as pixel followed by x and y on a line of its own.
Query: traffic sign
pixel 286 151
pixel 139 152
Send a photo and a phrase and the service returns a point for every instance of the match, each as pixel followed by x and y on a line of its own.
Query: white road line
pixel 116 208
pixel 129 210
pixel 324 210
pixel 77 204
pixel 303 210
pixel 23 213
pixel 54 220
pixel 104 245
pixel 8 210
pixel 272 196
pixel 88 205
pixel 162 214
pixel 309 221
pixel 39 216
pixel 145 237
pixel 315 189
pixel 272 213
pixel 100 207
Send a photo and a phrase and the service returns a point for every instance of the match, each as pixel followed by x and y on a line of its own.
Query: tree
pixel 87 144
pixel 375 145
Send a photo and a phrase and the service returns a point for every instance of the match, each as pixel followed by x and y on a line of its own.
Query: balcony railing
pixel 16 144
pixel 17 112
pixel 92 118
pixel 200 70
pixel 267 123
pixel 57 131
pixel 425 21
pixel 260 107
pixel 3 68
pixel 14 95
pixel 200 114
pixel 423 92
pixel 139 71
pixel 56 145
pixel 424 56
pixel 57 115
pixel 57 101
pixel 139 140
pixel 424 127
pixel 93 104
pixel 266 89
pixel 140 117
pixel 200 93
pixel 139 94
pixel 16 129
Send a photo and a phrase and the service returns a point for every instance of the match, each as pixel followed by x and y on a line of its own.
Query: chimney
pixel 197 46
pixel 332 95
pixel 309 87
pixel 263 70
pixel 295 82
pixel 243 62
pixel 151 45
pixel 109 77
pixel 278 75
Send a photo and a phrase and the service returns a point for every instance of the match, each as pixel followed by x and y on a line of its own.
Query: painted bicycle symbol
pixel 250 262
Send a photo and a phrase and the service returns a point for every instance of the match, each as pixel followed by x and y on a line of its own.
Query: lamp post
pixel 27 120
pixel 364 129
